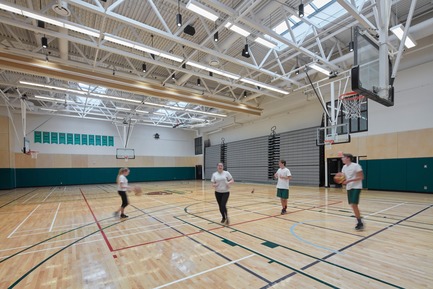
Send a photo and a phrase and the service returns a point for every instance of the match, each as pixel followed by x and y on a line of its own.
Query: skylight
pixel 90 89
pixel 319 13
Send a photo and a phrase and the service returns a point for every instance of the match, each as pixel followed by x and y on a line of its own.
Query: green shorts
pixel 283 193
pixel 353 196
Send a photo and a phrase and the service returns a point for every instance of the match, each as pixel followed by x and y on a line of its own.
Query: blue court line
pixel 205 246
pixel 317 260
pixel 351 245
pixel 292 231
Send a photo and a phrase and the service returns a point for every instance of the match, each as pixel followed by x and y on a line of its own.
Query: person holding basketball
pixel 284 176
pixel 122 188
pixel 221 181
pixel 354 176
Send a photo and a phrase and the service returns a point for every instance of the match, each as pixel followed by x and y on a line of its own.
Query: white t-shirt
pixel 283 183
pixel 123 182
pixel 350 172
pixel 221 179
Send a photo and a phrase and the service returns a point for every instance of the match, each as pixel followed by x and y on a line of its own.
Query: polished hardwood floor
pixel 67 237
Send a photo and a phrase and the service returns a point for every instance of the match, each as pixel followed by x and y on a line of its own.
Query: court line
pixel 302 253
pixel 18 198
pixel 97 223
pixel 355 243
pixel 30 198
pixel 22 222
pixel 263 255
pixel 206 247
pixel 204 272
pixel 55 215
pixel 292 229
pixel 52 190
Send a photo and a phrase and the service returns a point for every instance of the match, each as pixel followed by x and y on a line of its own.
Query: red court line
pixel 219 227
pixel 97 223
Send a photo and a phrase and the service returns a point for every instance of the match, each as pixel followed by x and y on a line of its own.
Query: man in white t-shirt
pixel 283 175
pixel 354 176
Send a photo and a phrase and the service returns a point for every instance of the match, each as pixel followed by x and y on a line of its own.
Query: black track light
pixel 245 52
pixel 198 82
pixel 179 19
pixel 301 10
pixel 184 65
pixel 210 73
pixel 297 70
pixel 44 41
pixel 173 76
pixel 351 45
pixel 215 37
pixel 144 67
pixel 245 94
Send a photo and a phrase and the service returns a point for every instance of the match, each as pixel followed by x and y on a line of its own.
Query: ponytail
pixel 121 171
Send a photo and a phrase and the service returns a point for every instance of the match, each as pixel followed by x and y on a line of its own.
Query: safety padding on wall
pixel 82 176
pixel 409 175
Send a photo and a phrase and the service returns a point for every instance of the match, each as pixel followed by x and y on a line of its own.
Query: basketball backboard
pixel 333 134
pixel 366 77
pixel 125 153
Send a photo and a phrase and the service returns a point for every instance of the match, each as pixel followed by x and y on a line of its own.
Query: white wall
pixel 172 142
pixel 413 110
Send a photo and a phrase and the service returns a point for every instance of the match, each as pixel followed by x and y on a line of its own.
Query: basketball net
pixel 34 154
pixel 352 102
pixel 328 144
pixel 126 159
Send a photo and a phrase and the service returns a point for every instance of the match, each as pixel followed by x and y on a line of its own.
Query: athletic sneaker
pixel 123 216
pixel 227 221
pixel 283 211
pixel 223 220
pixel 360 226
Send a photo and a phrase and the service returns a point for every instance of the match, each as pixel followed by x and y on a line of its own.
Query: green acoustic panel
pixel 8 179
pixel 387 174
pixel 82 176
pixel 419 175
pixel 364 165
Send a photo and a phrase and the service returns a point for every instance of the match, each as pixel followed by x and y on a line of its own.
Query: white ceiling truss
pixel 93 64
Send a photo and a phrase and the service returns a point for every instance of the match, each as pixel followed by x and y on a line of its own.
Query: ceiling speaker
pixel 189 30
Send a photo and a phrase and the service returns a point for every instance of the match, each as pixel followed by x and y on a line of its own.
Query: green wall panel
pixel 412 175
pixel 7 179
pixel 82 176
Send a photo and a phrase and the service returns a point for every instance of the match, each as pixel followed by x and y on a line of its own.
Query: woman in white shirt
pixel 221 181
pixel 122 188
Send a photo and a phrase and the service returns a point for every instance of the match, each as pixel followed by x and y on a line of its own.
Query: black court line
pixel 305 254
pixel 253 251
pixel 207 247
pixel 18 198
pixel 351 245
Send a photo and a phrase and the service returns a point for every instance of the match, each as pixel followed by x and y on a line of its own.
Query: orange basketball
pixel 137 190
pixel 339 178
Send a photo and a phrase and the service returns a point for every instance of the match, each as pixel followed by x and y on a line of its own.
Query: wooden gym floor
pixel 67 237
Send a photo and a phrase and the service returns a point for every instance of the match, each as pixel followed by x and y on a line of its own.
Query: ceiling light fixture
pixel 320 69
pixel 265 42
pixel 198 82
pixel 215 37
pixel 214 70
pixel 398 30
pixel 260 84
pixel 245 52
pixel 44 41
pixel 301 10
pixel 351 43
pixel 144 68
pixel 178 15
pixel 237 29
pixel 202 10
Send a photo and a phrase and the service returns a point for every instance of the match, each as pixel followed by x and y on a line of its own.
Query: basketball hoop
pixel 328 144
pixel 34 154
pixel 352 102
